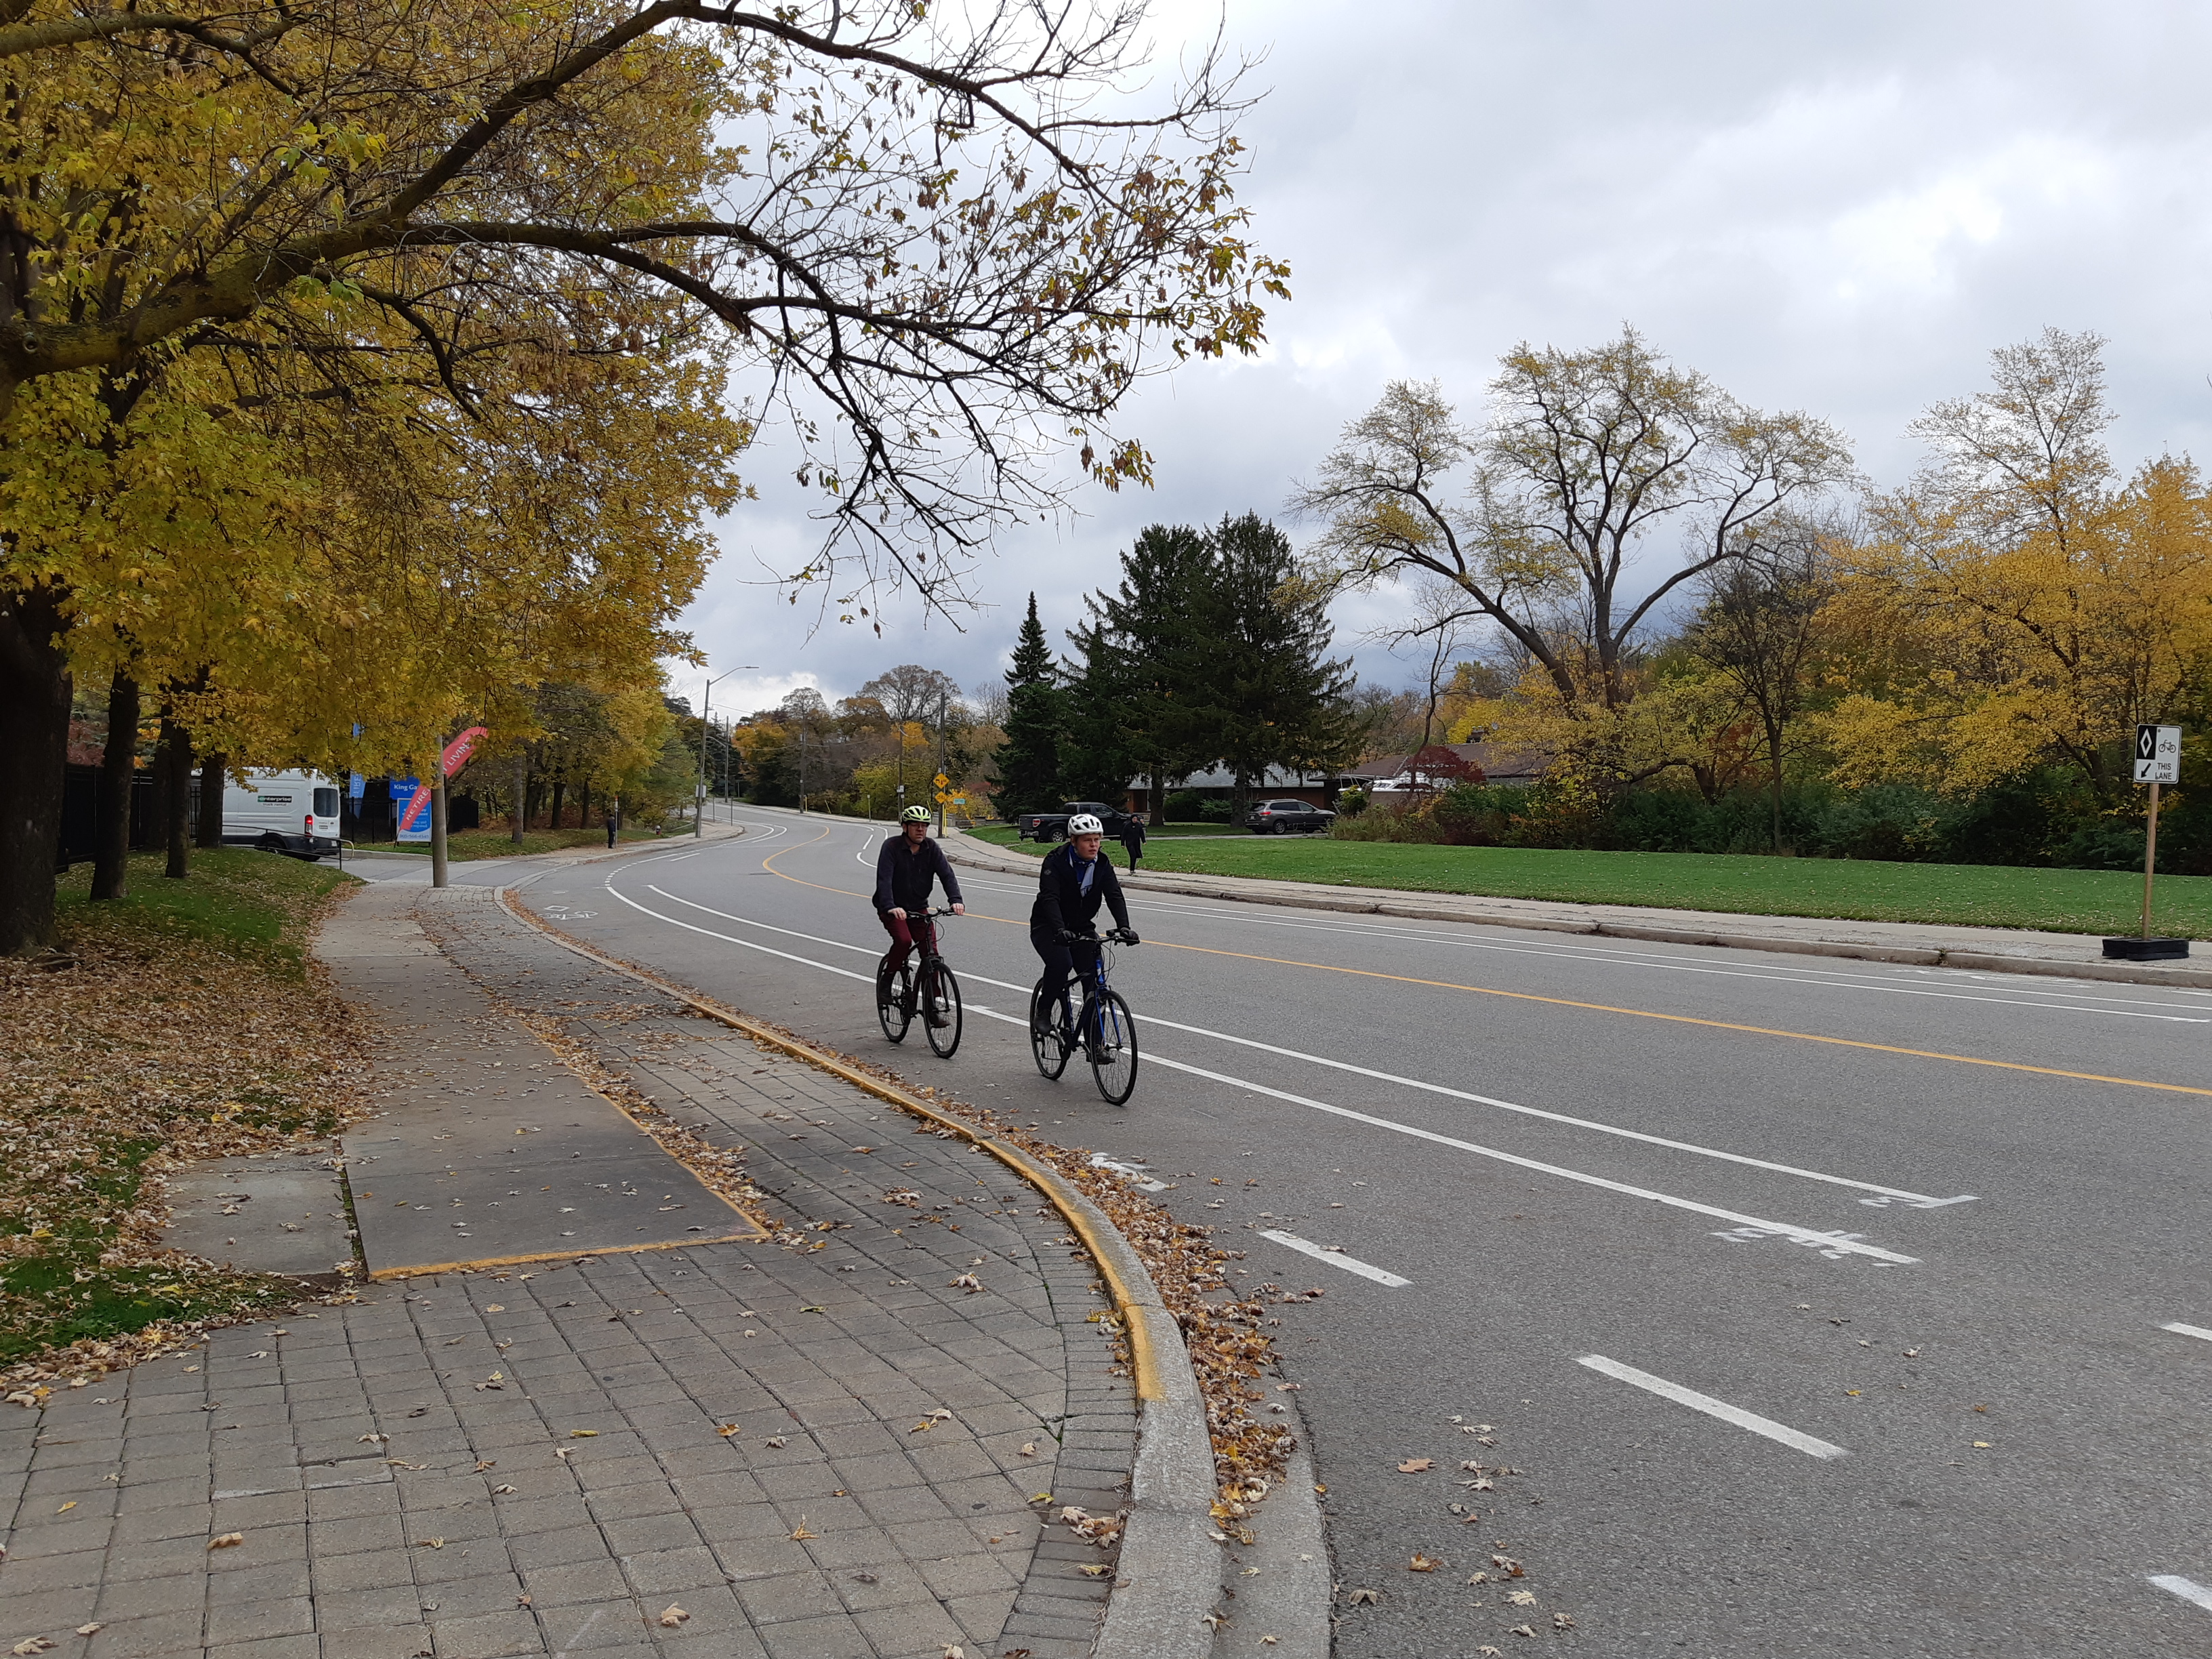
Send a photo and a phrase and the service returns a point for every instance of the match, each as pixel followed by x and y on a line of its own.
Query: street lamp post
pixel 706 702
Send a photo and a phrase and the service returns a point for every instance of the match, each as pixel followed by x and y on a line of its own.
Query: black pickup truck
pixel 1053 826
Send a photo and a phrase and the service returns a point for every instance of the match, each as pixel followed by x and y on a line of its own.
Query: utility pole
pixel 706 700
pixel 941 789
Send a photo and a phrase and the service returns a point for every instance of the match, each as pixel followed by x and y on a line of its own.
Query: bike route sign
pixel 2158 754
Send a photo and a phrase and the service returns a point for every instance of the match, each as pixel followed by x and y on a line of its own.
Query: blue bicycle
pixel 1105 1029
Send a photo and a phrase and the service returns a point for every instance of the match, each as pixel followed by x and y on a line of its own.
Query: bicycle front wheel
pixel 940 1007
pixel 1044 1033
pixel 1114 1048
pixel 894 999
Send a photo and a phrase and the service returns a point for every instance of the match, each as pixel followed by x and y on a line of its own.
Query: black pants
pixel 1061 961
pixel 1135 849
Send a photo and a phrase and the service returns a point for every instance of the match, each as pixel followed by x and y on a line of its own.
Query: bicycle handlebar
pixel 1112 935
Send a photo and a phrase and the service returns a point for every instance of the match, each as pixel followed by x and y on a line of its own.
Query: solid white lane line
pixel 1350 1264
pixel 1886 1194
pixel 1712 1408
pixel 1828 1243
pixel 2187 1588
pixel 2020 996
pixel 2197 1331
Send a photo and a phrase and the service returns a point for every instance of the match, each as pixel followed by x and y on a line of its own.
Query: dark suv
pixel 1287 817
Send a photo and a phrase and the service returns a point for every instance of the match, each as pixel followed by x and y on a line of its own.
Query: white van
pixel 294 812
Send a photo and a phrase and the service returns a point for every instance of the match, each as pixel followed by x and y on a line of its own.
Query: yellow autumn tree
pixel 2015 606
pixel 939 244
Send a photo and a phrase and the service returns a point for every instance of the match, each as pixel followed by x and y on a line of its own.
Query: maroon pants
pixel 902 937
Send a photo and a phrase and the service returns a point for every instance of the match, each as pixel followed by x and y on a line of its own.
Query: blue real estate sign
pixel 410 808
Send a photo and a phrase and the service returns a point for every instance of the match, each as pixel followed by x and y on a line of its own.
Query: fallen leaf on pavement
pixel 1522 1630
pixel 397 1463
pixel 799 1532
pixel 31 1645
pixel 777 1440
pixel 1099 1571
pixel 583 1434
pixel 372 1439
pixel 1492 1653
pixel 1479 1579
pixel 484 1463
pixel 1423 1564
pixel 1522 1598
pixel 500 1492
pixel 227 1540
pixel 563 1451
pixel 1511 1568
pixel 493 1307
pixel 1029 1449
pixel 1563 1622
pixel 430 1543
pixel 969 1283
pixel 67 1507
pixel 87 1630
pixel 1364 1598
pixel 727 1430
pixel 671 1616
pixel 1415 1465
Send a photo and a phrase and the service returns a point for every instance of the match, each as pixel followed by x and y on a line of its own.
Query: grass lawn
pixel 187 1027
pixel 1986 895
pixel 463 846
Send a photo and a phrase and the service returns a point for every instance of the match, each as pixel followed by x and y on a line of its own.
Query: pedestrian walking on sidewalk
pixel 1133 837
pixel 614 822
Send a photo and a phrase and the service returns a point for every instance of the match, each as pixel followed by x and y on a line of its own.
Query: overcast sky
pixel 1837 208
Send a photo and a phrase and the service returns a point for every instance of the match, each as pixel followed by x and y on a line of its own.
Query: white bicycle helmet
pixel 1083 824
pixel 915 815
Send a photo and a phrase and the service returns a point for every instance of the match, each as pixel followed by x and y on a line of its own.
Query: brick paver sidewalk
pixel 548 1458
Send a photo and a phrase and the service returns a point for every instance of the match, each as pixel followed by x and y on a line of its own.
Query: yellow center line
pixel 1596 1007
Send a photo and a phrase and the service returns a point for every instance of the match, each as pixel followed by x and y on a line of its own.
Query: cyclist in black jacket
pixel 909 865
pixel 1075 881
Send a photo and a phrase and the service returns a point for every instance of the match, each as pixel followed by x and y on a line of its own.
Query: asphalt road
pixel 1813 1307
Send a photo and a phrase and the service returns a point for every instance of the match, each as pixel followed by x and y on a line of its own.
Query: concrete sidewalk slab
pixel 273 1212
pixel 487 1148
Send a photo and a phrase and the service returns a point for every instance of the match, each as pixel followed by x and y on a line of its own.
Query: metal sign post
pixel 2158 762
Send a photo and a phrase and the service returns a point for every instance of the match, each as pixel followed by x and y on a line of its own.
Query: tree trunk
pixel 517 810
pixel 212 783
pixel 176 804
pixel 560 789
pixel 110 861
pixel 584 804
pixel 1774 757
pixel 1158 817
pixel 35 718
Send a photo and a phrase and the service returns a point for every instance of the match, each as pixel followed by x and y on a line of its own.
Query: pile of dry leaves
pixel 160 1045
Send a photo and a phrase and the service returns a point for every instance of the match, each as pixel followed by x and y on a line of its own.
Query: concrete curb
pixel 1170 1559
pixel 964 849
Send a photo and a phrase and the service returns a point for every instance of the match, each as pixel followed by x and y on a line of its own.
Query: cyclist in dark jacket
pixel 1074 882
pixel 909 865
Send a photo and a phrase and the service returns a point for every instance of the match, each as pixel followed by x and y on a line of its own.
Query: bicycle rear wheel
pixel 1044 1033
pixel 1113 1033
pixel 940 996
pixel 894 999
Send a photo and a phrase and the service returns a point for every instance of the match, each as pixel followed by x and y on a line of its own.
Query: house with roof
pixel 1441 765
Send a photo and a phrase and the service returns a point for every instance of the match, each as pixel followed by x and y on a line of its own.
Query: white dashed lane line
pixel 2187 1588
pixel 1350 1264
pixel 2188 1330
pixel 1781 1432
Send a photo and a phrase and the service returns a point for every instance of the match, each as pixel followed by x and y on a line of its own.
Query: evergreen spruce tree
pixel 1280 701
pixel 1029 761
pixel 1160 676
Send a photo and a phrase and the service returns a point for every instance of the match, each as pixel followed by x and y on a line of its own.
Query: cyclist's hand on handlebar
pixel 896 911
pixel 959 909
pixel 1128 937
